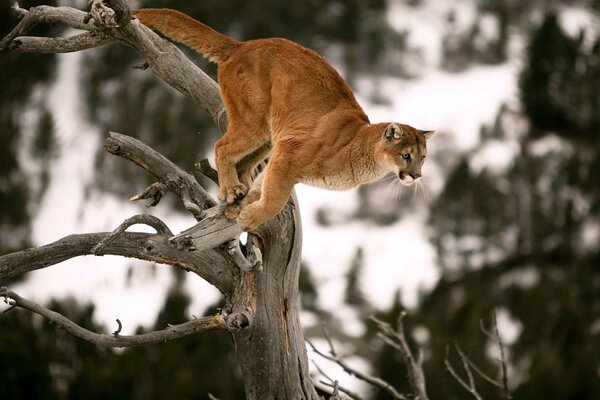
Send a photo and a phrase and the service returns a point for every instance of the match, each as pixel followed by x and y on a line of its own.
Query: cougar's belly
pixel 330 182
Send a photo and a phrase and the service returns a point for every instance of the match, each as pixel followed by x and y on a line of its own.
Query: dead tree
pixel 259 281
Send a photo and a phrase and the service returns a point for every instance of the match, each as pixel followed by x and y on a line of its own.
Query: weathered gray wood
pixel 213 230
pixel 172 332
pixel 194 197
pixel 54 15
pixel 210 265
pixel 272 353
pixel 44 45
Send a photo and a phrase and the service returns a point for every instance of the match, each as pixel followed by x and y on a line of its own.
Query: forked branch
pixel 414 365
pixel 469 366
pixel 184 185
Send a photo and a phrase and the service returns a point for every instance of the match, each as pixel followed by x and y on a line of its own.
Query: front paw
pixel 249 219
pixel 234 193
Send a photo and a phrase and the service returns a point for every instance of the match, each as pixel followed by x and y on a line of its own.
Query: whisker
pixel 426 191
pixel 387 177
pixel 387 189
pixel 399 190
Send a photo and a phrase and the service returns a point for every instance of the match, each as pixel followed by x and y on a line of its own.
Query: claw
pixel 233 194
pixel 239 195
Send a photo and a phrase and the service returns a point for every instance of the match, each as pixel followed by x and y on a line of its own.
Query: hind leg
pixel 246 167
pixel 246 101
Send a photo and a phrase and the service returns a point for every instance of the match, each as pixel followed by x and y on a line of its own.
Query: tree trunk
pixel 272 353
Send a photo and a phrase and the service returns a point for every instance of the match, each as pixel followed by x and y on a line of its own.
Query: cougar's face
pixel 406 149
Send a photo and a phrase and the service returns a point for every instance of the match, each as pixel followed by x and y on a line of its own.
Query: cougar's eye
pixel 406 156
pixel 422 158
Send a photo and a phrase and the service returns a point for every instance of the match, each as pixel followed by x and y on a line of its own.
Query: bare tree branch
pixel 464 359
pixel 146 219
pixel 470 387
pixel 482 374
pixel 213 230
pixel 53 15
pixel 470 366
pixel 194 197
pixel 171 333
pixel 209 264
pixel 414 367
pixel 45 45
pixel 495 336
pixel 371 380
pixel 333 383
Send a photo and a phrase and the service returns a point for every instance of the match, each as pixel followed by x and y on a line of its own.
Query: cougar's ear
pixel 393 132
pixel 428 134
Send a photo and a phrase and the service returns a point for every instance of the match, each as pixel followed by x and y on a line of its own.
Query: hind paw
pixel 232 211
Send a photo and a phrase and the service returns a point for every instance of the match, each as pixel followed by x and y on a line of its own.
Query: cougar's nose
pixel 415 176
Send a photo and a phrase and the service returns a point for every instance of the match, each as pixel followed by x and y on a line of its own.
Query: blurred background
pixel 507 220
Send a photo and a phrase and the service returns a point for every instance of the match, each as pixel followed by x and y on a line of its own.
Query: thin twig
pixel 335 395
pixel 458 378
pixel 483 374
pixel 373 381
pixel 153 193
pixel 342 389
pixel 10 307
pixel 495 336
pixel 173 332
pixel 469 366
pixel 414 366
pixel 116 333
pixel 350 393
pixel 465 363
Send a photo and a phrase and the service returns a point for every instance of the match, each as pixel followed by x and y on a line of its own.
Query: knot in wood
pixel 103 16
pixel 238 320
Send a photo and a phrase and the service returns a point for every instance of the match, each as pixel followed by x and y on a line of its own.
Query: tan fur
pixel 286 102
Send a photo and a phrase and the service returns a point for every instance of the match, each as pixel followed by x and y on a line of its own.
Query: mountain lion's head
pixel 403 151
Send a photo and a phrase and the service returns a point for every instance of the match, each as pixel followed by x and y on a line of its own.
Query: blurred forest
pixel 524 241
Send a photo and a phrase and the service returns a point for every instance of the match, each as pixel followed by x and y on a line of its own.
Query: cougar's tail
pixel 182 28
